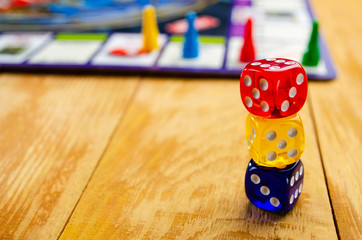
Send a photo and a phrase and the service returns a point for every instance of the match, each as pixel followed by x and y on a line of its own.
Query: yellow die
pixel 275 142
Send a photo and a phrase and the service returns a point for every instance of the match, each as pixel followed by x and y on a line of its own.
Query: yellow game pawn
pixel 149 30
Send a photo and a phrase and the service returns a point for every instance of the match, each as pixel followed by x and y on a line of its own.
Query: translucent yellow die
pixel 275 142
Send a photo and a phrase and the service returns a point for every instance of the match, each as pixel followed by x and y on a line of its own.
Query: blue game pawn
pixel 191 42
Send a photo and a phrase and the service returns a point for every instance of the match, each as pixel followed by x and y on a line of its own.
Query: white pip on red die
pixel 273 87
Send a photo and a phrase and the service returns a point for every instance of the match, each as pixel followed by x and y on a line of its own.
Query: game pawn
pixel 273 90
pixel 247 51
pixel 150 30
pixel 311 55
pixel 191 39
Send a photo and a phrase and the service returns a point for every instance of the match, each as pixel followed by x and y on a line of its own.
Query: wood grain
pixel 337 109
pixel 53 130
pixel 175 169
pixel 175 165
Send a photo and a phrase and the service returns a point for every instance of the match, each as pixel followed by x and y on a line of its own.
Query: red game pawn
pixel 247 53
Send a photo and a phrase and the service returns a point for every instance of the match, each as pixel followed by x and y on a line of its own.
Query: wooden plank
pixel 175 170
pixel 53 130
pixel 338 115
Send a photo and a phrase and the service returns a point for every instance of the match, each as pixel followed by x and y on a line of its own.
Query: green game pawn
pixel 311 55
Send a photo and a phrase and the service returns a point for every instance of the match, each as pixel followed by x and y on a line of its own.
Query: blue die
pixel 274 189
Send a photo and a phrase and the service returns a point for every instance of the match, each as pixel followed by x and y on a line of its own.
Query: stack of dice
pixel 273 90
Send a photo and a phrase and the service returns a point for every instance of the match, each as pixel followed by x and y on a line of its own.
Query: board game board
pixel 281 28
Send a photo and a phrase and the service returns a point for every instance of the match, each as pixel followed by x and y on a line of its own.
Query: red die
pixel 273 87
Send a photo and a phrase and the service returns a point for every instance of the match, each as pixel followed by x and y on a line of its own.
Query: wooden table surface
pixel 116 157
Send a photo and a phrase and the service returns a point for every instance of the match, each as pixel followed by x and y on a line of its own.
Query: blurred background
pixel 96 15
